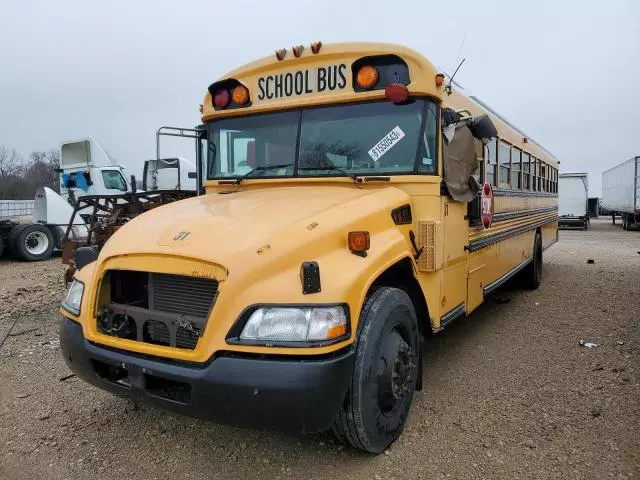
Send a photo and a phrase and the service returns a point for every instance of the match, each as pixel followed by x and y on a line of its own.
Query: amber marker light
pixel 240 95
pixel 280 54
pixel 439 80
pixel 359 242
pixel 315 47
pixel 367 76
pixel 297 51
pixel 337 331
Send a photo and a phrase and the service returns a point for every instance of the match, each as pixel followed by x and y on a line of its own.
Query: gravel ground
pixel 509 392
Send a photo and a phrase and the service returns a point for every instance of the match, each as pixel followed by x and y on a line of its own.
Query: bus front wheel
pixel 384 375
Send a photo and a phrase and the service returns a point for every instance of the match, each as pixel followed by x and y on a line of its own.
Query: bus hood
pixel 225 228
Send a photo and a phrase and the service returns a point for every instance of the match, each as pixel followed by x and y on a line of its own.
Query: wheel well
pixel 400 275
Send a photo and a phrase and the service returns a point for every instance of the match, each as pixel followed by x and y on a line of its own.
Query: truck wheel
pixel 1 246
pixel 625 222
pixel 11 239
pixel 384 375
pixel 33 243
pixel 532 273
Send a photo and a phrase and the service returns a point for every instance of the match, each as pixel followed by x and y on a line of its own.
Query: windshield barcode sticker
pixel 384 145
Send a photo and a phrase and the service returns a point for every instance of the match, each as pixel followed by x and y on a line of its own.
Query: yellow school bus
pixel 353 201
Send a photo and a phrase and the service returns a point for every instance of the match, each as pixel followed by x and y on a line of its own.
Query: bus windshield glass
pixel 378 138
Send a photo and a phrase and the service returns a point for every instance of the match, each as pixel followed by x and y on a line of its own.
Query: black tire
pixel 532 273
pixel 11 239
pixel 33 243
pixel 384 375
pixel 1 246
pixel 625 222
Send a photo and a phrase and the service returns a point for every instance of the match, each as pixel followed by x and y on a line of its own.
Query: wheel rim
pixel 36 243
pixel 396 372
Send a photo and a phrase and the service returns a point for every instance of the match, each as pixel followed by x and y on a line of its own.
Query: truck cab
pixel 87 169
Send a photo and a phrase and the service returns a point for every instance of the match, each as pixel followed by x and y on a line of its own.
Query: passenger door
pixel 454 276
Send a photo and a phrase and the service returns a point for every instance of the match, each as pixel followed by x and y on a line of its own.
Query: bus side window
pixel 504 158
pixel 490 161
pixel 534 173
pixel 526 182
pixel 516 168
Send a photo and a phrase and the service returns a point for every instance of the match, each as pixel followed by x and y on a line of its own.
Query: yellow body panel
pixel 422 77
pixel 253 241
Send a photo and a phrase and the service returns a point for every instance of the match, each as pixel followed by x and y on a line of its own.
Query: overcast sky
pixel 565 72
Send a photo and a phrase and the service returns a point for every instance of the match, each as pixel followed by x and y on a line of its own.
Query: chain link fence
pixel 16 208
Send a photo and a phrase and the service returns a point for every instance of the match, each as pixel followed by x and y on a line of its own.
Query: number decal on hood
pixel 181 236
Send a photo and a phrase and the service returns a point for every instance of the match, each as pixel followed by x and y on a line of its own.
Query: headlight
pixel 74 297
pixel 296 324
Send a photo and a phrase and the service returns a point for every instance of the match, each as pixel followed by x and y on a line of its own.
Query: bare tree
pixel 19 180
pixel 53 159
pixel 10 162
pixel 42 170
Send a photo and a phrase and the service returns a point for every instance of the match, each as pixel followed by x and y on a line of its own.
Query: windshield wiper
pixel 356 179
pixel 262 168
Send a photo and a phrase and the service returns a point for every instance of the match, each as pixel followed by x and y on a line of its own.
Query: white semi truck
pixel 621 192
pixel 573 200
pixel 86 171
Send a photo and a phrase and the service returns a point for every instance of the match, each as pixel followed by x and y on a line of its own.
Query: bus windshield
pixel 378 138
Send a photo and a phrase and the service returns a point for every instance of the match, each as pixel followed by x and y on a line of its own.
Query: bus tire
pixel 625 222
pixel 384 374
pixel 33 243
pixel 1 246
pixel 533 272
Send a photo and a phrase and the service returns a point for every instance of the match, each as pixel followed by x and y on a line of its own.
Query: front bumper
pixel 295 395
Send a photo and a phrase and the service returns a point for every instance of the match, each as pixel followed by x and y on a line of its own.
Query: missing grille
pixel 156 308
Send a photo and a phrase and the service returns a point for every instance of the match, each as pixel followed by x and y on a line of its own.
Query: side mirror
pixel 482 127
pixel 134 186
pixel 192 175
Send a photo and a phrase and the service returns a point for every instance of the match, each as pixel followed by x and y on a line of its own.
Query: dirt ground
pixel 509 392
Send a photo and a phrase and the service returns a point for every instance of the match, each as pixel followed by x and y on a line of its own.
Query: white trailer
pixel 573 200
pixel 621 192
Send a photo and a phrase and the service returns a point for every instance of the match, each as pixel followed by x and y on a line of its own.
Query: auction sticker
pixel 384 145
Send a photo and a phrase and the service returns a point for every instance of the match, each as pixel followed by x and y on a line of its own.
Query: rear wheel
pixel 625 222
pixel 384 375
pixel 11 239
pixel 33 243
pixel 1 246
pixel 532 274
